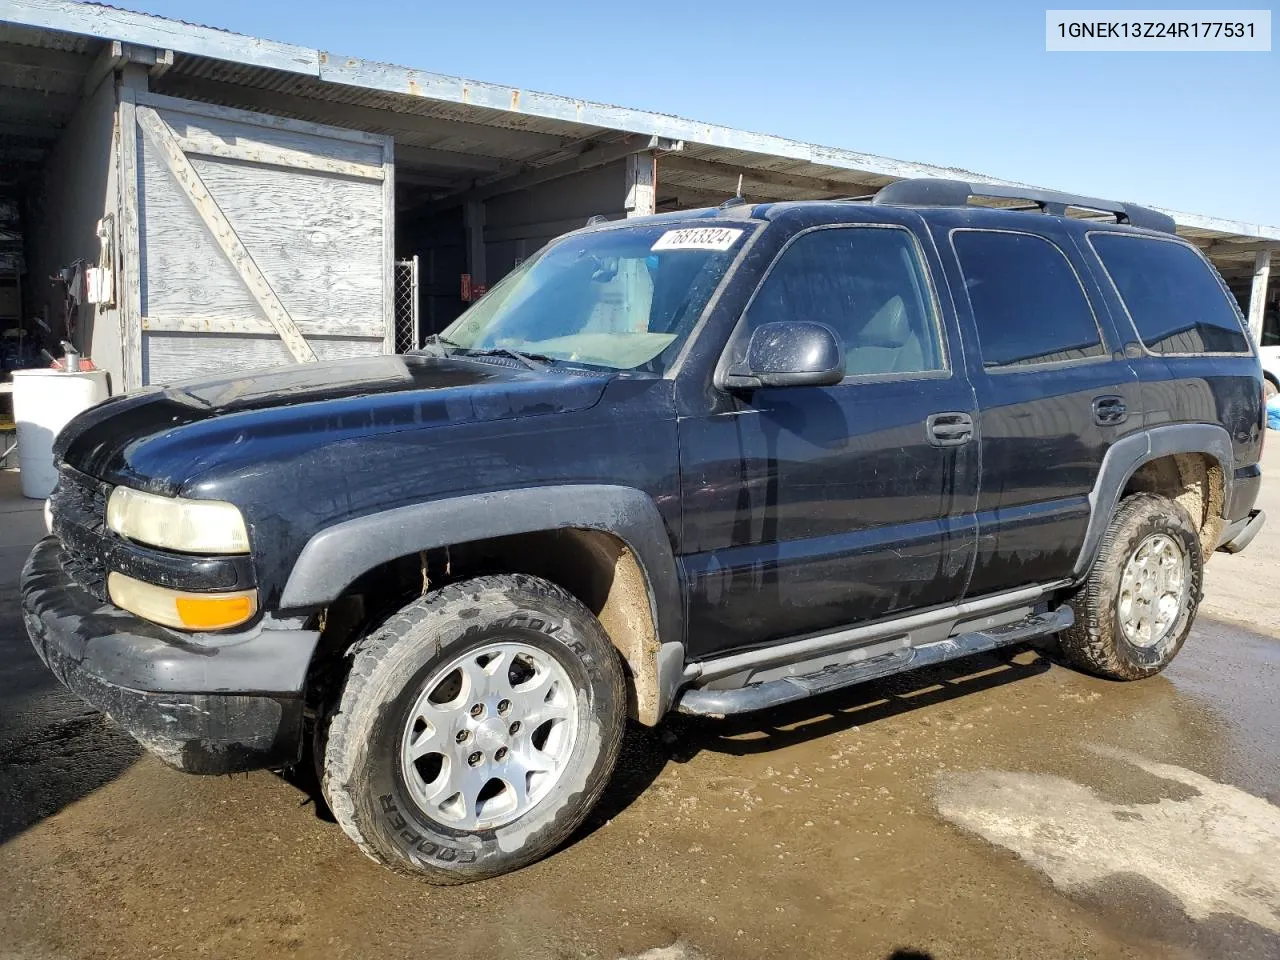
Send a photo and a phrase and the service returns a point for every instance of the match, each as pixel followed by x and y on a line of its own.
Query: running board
pixel 721 703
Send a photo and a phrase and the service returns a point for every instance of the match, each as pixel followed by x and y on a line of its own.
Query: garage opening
pixel 57 117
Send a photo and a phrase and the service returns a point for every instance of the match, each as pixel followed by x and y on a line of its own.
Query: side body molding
pixel 333 558
pixel 1129 453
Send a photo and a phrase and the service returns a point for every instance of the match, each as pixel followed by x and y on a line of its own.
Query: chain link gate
pixel 408 336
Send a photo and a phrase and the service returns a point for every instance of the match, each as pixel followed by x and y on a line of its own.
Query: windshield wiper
pixel 534 361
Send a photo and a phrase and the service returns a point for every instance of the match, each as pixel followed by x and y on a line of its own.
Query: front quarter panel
pixel 627 439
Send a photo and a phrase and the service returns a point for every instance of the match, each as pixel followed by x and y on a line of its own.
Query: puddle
pixel 1211 846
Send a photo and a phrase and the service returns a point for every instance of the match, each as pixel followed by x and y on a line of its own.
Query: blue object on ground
pixel 1273 412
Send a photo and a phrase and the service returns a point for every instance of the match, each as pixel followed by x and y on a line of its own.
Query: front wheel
pixel 1135 610
pixel 476 729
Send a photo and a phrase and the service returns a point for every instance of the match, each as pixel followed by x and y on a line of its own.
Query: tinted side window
pixel 1026 298
pixel 868 285
pixel 1176 303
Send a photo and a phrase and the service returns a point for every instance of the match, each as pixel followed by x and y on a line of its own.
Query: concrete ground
pixel 1003 807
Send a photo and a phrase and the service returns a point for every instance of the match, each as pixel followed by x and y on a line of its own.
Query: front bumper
pixel 215 703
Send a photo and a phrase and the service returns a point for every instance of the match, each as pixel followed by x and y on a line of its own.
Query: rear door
pixel 1188 341
pixel 1053 394
pixel 809 508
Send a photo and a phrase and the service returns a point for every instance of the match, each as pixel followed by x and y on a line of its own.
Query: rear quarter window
pixel 1176 302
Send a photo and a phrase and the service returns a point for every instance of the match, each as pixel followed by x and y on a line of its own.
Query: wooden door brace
pixel 216 221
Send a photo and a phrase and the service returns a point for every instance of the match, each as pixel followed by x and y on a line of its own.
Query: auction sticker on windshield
pixel 698 238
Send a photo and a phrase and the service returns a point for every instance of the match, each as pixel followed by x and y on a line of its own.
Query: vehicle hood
pixel 164 439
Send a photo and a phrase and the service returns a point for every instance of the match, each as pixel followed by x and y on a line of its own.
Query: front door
pixel 809 508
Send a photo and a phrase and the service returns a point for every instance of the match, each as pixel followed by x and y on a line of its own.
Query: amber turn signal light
pixel 184 611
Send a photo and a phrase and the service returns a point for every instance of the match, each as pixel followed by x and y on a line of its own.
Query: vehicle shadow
pixel 54 749
pixel 859 705
pixel 304 778
pixel 646 751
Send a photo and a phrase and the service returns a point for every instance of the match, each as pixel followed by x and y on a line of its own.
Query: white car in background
pixel 1271 368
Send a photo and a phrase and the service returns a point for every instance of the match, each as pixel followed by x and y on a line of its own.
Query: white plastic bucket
pixel 43 403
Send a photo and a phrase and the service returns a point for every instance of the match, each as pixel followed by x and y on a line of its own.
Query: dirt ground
pixel 1002 807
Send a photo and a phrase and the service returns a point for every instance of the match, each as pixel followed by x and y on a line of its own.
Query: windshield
pixel 620 299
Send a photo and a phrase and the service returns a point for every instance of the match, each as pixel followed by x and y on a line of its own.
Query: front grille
pixel 79 509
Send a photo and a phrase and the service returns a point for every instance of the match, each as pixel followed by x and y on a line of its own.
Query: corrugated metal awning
pixel 451 132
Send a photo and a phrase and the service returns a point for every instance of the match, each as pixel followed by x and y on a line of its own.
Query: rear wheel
pixel 476 729
pixel 1134 611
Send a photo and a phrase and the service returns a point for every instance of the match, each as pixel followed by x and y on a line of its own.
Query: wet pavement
pixel 1002 807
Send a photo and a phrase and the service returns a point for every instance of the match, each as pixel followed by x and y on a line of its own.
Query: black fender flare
pixel 336 556
pixel 1126 455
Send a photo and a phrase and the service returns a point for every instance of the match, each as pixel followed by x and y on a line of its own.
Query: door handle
pixel 1108 411
pixel 949 429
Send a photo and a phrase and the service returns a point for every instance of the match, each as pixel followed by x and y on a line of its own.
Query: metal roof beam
pixel 705 196
pixel 94 20
pixel 670 198
pixel 1253 246
pixel 730 172
pixel 436 86
pixel 352 115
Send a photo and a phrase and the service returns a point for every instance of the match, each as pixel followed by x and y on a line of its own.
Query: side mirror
pixel 792 353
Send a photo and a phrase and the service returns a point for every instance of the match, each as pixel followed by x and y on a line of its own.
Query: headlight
pixel 191 526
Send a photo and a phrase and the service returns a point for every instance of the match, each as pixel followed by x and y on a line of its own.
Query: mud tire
pixel 1096 643
pixel 388 669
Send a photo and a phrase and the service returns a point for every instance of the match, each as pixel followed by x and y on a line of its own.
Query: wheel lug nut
pixel 514 728
pixel 477 709
pixel 475 758
pixel 500 754
pixel 504 706
pixel 463 736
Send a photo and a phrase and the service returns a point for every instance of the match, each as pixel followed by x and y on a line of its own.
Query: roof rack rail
pixel 929 192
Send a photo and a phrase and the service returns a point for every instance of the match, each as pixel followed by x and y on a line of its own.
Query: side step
pixel 721 703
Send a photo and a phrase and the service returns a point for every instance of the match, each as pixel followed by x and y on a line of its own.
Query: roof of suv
pixel 1006 218
pixel 946 199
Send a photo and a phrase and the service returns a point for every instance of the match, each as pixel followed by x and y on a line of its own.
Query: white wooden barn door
pixel 250 240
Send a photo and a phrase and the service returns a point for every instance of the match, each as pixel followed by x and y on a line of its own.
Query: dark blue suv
pixel 711 461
